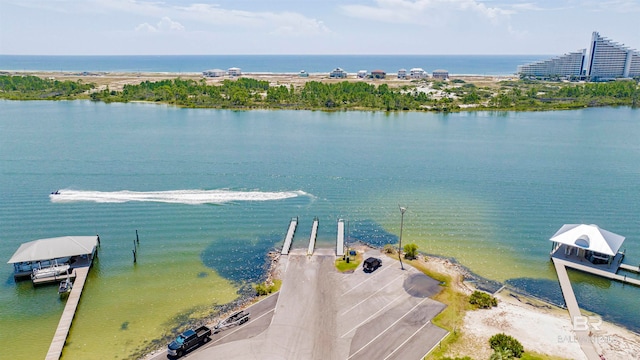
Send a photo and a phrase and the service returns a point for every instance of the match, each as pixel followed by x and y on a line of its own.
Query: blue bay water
pixel 455 64
pixel 488 189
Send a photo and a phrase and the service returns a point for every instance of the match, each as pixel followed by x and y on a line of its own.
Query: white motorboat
pixel 50 271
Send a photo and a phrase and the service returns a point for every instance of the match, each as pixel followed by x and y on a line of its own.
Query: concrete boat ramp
pixel 293 225
pixel 323 314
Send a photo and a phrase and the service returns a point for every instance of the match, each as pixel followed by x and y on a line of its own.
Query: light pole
pixel 402 210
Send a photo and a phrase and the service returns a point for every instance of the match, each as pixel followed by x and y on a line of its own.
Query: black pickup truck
pixel 188 340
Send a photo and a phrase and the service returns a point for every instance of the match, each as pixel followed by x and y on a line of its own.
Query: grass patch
pixel 353 263
pixel 536 356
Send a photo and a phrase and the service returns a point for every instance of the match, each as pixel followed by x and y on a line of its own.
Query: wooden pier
pixel 60 337
pixel 289 238
pixel 340 238
pixel 604 273
pixel 574 310
pixel 314 235
pixel 628 267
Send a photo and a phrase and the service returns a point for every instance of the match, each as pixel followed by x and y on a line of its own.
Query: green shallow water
pixel 488 189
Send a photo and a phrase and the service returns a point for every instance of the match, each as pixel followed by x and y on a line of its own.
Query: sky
pixel 238 27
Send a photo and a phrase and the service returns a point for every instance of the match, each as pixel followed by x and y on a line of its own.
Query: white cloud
pixel 145 27
pixel 215 16
pixel 421 11
pixel 164 25
pixel 167 24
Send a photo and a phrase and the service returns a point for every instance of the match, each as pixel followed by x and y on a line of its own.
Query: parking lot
pixel 323 314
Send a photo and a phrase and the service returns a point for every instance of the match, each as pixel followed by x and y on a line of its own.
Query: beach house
pixel 440 74
pixel 214 73
pixel 378 74
pixel 417 73
pixel 402 74
pixel 234 71
pixel 338 73
pixel 362 74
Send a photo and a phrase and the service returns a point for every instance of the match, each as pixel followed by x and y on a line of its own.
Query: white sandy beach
pixel 540 327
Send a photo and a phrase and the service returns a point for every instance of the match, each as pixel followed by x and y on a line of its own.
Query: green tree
pixel 410 251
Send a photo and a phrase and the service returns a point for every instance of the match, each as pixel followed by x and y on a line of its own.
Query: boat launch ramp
pixel 288 240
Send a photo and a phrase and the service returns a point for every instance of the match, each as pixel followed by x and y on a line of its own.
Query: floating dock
pixel 60 337
pixel 314 235
pixel 340 238
pixel 289 238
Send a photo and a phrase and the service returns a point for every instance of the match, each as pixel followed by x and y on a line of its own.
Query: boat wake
pixel 192 197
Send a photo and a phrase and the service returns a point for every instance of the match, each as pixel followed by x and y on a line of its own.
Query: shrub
pixel 501 354
pixel 410 251
pixel 264 289
pixel 389 249
pixel 482 300
pixel 501 342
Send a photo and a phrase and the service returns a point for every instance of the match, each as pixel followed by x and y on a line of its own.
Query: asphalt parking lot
pixel 320 313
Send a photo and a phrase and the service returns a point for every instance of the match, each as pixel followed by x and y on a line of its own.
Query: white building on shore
pixel 214 73
pixel 338 73
pixel 417 73
pixel 567 65
pixel 234 71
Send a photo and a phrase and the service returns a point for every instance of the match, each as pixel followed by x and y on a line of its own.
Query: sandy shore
pixel 539 326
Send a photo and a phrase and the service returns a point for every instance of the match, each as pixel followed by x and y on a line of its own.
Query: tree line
pixel 248 93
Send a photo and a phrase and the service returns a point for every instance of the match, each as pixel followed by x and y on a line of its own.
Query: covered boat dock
pixel 74 251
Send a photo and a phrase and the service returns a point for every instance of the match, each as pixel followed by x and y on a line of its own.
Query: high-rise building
pixel 610 60
pixel 567 65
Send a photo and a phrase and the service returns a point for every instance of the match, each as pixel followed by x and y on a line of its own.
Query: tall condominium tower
pixel 610 60
pixel 570 64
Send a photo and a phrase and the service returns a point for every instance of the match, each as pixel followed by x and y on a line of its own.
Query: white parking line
pixel 409 338
pixel 389 327
pixel 370 278
pixel 374 314
pixel 368 297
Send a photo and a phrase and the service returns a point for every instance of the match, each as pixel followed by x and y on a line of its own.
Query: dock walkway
pixel 287 240
pixel 340 239
pixel 60 337
pixel 314 235
pixel 630 268
pixel 599 272
pixel 582 336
